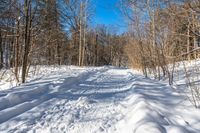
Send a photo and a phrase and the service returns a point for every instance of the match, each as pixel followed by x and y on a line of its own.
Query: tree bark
pixel 80 36
pixel 188 42
pixel 26 39
pixel 1 50
pixel 17 52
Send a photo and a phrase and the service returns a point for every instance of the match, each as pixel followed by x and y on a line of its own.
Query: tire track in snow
pixel 14 104
pixel 86 108
pixel 106 99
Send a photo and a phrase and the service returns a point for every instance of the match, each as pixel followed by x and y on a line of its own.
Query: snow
pixel 95 100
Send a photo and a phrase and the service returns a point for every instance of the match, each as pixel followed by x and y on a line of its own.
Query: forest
pixel 51 32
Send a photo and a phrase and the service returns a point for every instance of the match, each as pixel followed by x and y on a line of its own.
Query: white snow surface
pixel 95 100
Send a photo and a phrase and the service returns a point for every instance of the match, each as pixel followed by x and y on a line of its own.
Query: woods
pixel 48 32
pixel 161 33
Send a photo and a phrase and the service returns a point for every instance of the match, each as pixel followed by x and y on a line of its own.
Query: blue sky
pixel 107 12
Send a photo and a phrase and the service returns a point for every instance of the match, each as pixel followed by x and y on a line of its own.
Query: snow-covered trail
pixel 91 100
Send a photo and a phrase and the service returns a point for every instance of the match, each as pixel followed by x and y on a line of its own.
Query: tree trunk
pixel 80 36
pixel 96 52
pixel 17 52
pixel 188 42
pixel 1 50
pixel 26 39
pixel 84 40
